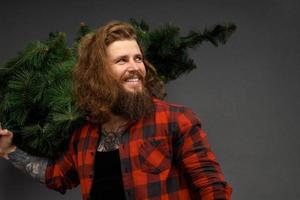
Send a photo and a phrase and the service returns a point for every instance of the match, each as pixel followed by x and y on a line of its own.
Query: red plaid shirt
pixel 165 156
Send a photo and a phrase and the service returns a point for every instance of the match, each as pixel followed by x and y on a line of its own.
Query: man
pixel 134 145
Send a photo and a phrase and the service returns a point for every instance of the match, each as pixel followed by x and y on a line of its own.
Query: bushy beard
pixel 133 105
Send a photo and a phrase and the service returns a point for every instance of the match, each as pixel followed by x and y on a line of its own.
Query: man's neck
pixel 115 123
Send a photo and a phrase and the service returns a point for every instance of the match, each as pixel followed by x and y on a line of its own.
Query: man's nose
pixel 133 65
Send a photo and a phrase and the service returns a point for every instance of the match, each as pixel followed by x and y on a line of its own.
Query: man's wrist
pixel 10 150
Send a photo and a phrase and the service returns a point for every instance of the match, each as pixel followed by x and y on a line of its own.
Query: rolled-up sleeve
pixel 61 174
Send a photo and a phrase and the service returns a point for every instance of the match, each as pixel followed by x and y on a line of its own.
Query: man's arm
pixel 59 174
pixel 197 159
pixel 32 165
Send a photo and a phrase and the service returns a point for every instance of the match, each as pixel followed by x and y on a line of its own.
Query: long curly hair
pixel 93 83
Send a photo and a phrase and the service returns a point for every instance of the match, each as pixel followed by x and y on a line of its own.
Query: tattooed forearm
pixel 32 165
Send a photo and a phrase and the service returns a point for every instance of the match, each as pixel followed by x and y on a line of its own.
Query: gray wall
pixel 246 93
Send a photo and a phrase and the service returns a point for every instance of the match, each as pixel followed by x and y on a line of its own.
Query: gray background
pixel 246 92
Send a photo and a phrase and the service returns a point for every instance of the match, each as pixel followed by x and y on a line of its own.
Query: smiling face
pixel 110 75
pixel 126 64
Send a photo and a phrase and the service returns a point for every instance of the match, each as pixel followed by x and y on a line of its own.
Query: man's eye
pixel 139 59
pixel 121 61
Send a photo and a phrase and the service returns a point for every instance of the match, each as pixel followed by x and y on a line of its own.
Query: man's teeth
pixel 132 80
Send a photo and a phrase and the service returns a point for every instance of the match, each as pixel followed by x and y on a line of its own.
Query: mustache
pixel 133 74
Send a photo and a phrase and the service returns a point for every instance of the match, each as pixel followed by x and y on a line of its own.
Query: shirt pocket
pixel 155 156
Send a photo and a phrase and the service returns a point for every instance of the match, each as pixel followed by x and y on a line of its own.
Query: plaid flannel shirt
pixel 165 156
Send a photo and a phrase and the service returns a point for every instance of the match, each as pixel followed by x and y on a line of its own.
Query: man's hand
pixel 6 145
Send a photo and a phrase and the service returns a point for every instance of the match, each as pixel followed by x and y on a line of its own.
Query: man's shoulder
pixel 84 130
pixel 176 112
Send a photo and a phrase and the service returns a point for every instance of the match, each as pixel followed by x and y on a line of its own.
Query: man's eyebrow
pixel 139 54
pixel 119 57
pixel 126 56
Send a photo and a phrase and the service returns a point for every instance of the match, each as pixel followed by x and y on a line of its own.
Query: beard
pixel 133 105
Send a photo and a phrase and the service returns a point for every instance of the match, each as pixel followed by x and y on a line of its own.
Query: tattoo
pixel 109 141
pixel 32 165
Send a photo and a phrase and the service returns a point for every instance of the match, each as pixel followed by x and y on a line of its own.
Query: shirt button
pixel 92 153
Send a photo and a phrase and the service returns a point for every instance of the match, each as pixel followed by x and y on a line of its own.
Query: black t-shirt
pixel 107 183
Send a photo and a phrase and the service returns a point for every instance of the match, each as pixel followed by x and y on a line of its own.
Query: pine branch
pixel 82 31
pixel 216 35
pixel 59 94
pixel 142 31
pixel 30 58
pixel 167 50
pixel 58 49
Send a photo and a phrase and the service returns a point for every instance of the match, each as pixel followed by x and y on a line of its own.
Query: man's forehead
pixel 123 47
